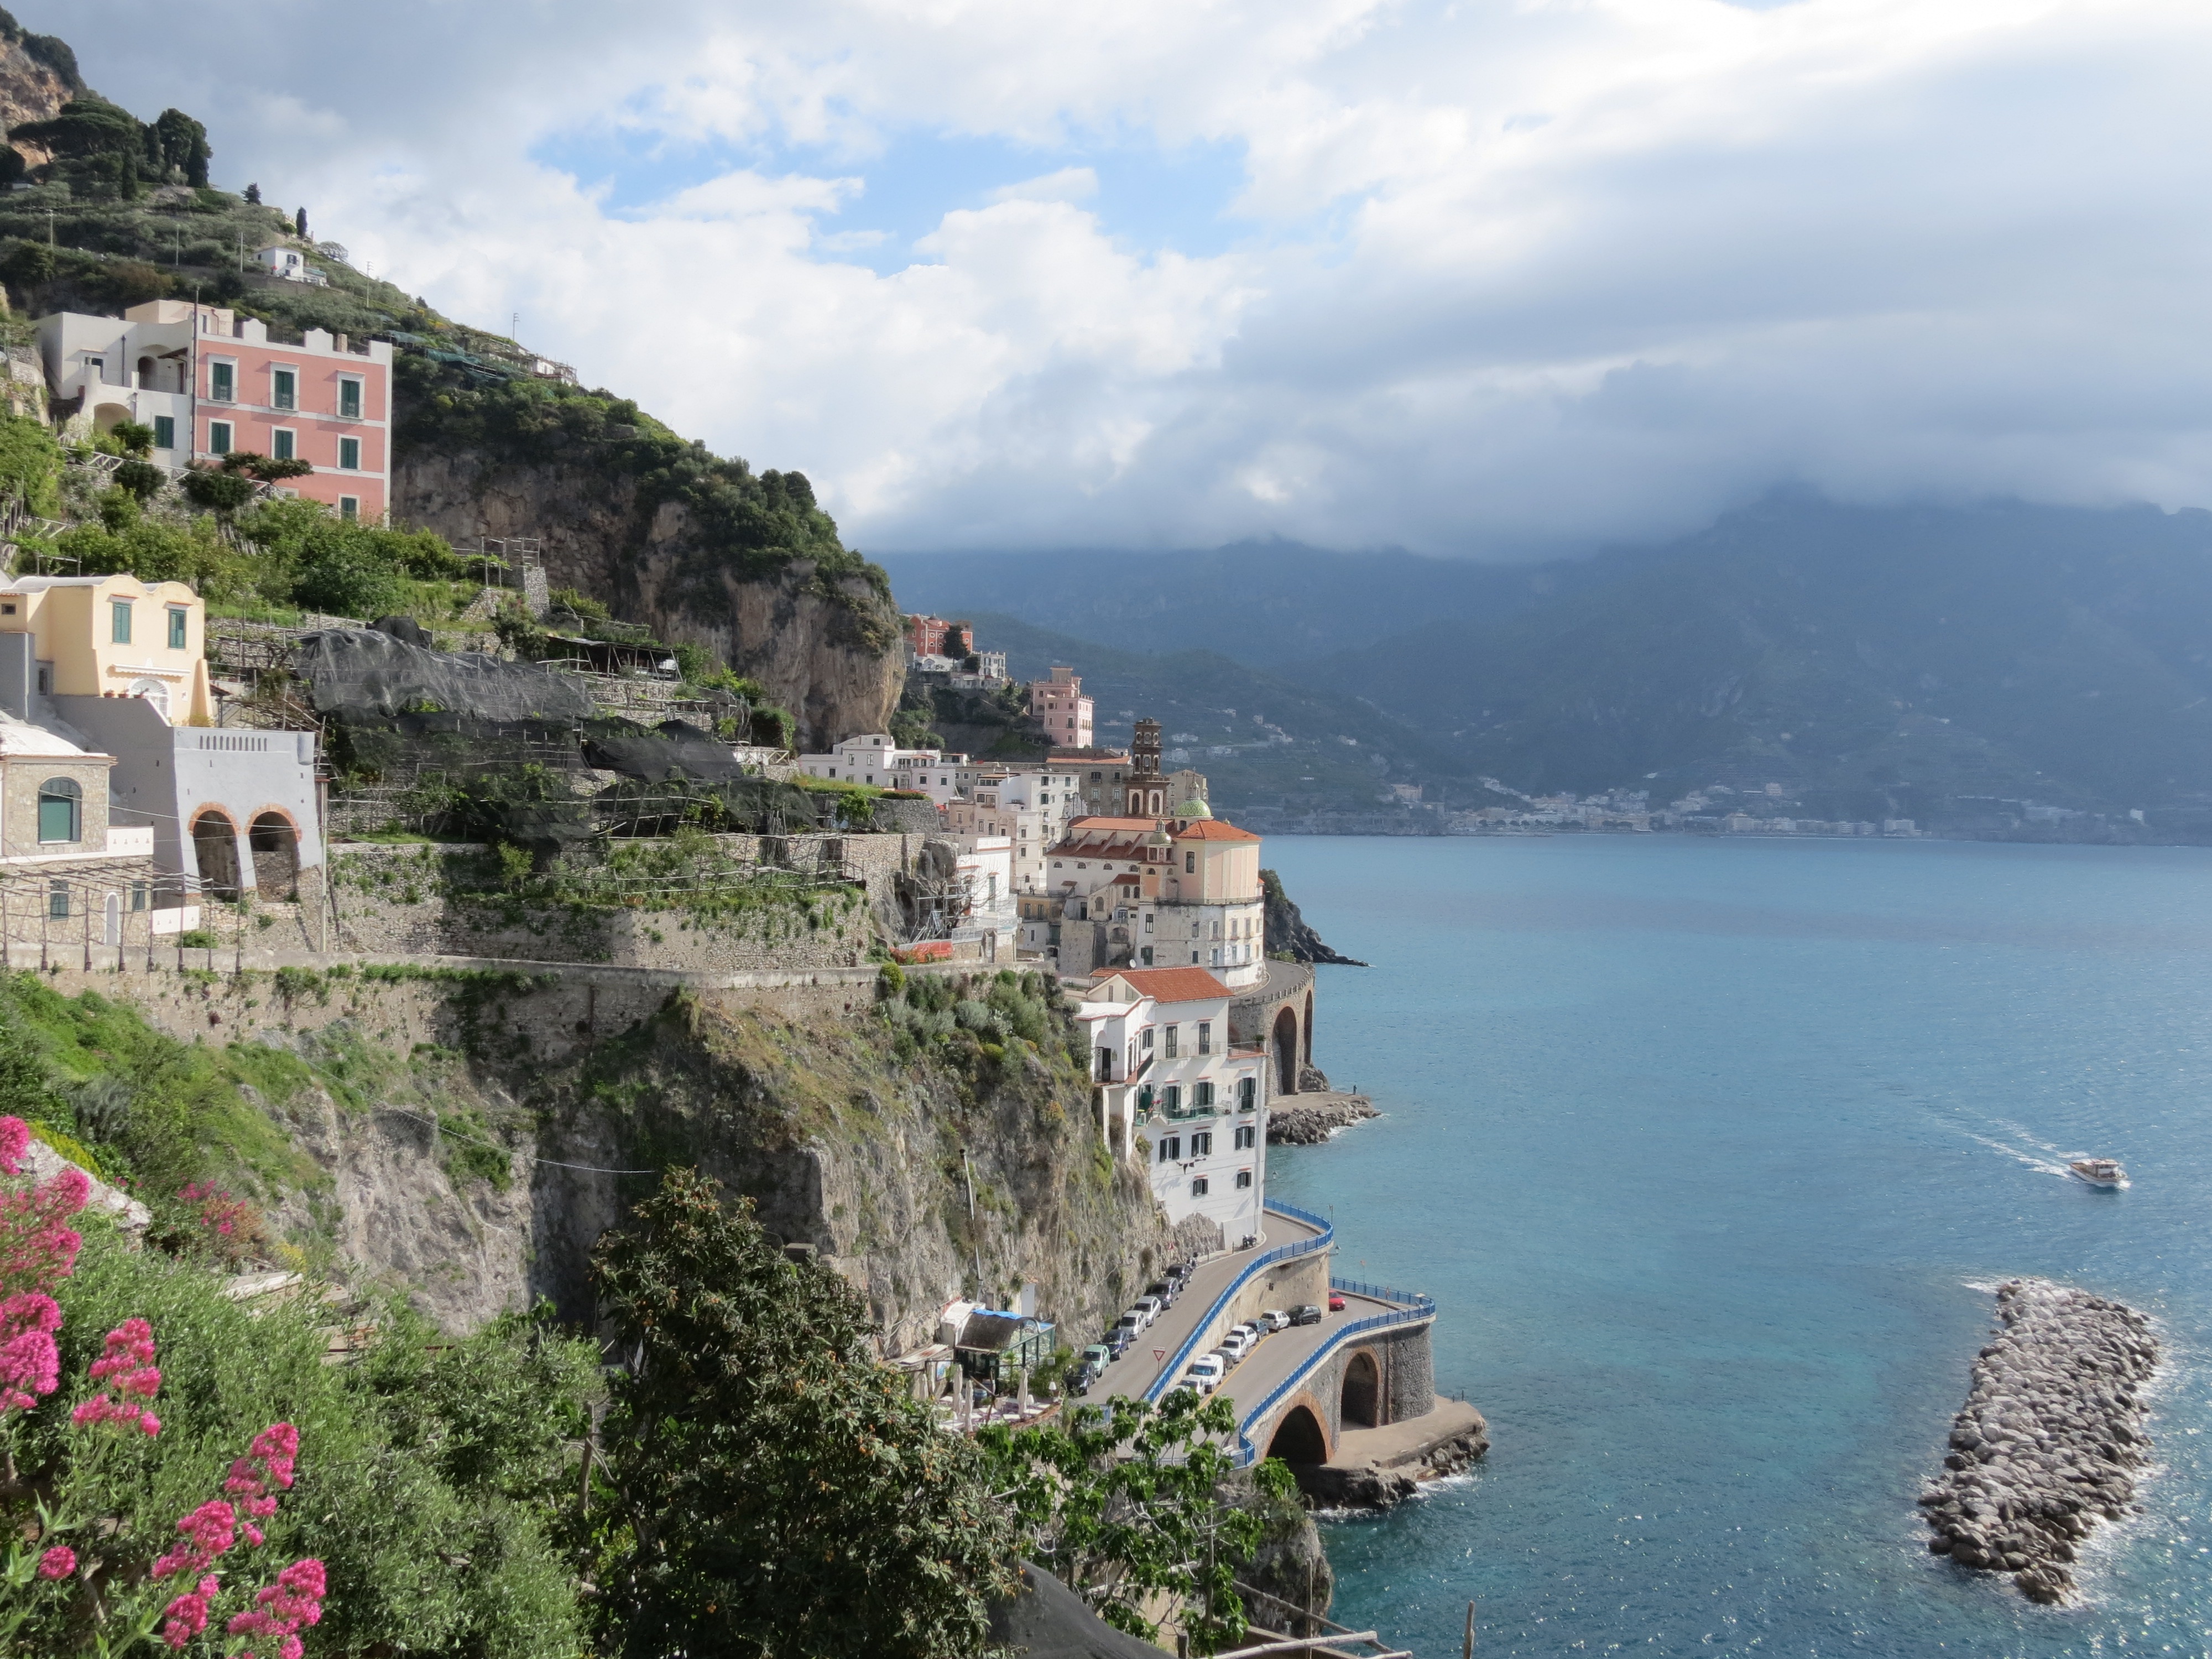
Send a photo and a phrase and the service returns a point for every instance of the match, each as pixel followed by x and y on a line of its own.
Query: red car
pixel 1335 1302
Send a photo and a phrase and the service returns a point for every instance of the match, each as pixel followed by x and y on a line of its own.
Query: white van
pixel 1204 1373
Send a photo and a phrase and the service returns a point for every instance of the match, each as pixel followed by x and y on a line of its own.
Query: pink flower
pixel 209 1531
pixel 128 1375
pixel 281 1608
pixel 35 1248
pixel 187 1615
pixel 58 1562
pixel 14 1141
pixel 268 1462
pixel 30 1365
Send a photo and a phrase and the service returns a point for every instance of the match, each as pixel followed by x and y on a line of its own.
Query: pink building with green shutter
pixel 211 383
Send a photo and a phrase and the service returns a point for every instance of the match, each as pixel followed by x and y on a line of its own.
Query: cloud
pixel 1494 276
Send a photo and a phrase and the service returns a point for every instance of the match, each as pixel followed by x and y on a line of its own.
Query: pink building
pixel 210 383
pixel 1058 704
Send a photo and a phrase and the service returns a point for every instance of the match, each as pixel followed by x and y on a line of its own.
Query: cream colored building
pixel 107 636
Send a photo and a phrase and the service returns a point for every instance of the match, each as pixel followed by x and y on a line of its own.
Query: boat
pixel 2099 1172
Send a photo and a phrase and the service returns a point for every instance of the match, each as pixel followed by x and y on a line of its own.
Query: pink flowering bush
pixel 228 1228
pixel 128 1377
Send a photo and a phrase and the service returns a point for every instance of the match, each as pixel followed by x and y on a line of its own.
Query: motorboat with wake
pixel 2103 1172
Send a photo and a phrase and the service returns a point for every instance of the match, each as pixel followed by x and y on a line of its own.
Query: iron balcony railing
pixel 1319 1241
pixel 1414 1306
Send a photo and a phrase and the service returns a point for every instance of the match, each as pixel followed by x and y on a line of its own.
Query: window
pixel 1199 1186
pixel 1148 1039
pixel 222 382
pixel 1171 1098
pixel 1201 1145
pixel 283 444
pixel 181 624
pixel 283 388
pixel 1247 1093
pixel 1205 1038
pixel 1148 922
pixel 1247 1137
pixel 1148 956
pixel 118 621
pixel 350 399
pixel 61 816
pixel 219 438
pixel 58 904
pixel 137 896
pixel 1201 1097
pixel 1171 1040
pixel 349 455
pixel 165 432
pixel 349 509
pixel 1244 1178
pixel 1171 1149
pixel 1190 864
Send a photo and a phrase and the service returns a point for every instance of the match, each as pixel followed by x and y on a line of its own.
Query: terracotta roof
pixel 1172 984
pixel 1102 822
pixel 1214 830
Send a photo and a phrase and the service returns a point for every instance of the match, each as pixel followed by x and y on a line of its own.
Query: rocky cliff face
pixel 38 75
pixel 824 644
pixel 475 1135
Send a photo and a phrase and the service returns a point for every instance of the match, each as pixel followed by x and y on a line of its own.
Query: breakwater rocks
pixel 2049 1437
pixel 1297 1121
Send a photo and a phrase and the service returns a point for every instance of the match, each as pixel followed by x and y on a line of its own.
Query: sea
pixel 1711 1153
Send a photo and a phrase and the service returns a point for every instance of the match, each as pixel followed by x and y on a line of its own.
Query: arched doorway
pixel 215 849
pixel 275 848
pixel 1298 1438
pixel 111 925
pixel 154 694
pixel 1309 1031
pixel 1362 1403
pixel 107 417
pixel 1286 1053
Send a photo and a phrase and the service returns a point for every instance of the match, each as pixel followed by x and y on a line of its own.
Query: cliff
pixel 1287 934
pixel 703 549
pixel 38 75
pixel 466 1136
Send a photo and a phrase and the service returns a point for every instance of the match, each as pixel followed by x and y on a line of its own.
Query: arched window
pixel 61 810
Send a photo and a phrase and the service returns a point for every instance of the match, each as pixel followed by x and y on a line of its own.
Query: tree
pixel 253 196
pixel 774 1491
pixel 179 143
pixel 299 224
pixel 1125 1504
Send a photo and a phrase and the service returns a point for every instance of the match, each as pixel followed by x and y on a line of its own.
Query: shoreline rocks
pixel 2048 1440
pixel 1309 1124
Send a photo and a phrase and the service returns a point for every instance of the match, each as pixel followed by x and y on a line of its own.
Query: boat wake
pixel 2041 1164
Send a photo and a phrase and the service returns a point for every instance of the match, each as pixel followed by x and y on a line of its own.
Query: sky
pixel 1494 279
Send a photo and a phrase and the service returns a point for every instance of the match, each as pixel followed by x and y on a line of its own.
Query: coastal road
pixel 1132 1373
pixel 1279 1355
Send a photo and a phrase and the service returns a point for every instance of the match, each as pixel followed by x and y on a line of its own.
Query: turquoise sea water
pixel 1704 1149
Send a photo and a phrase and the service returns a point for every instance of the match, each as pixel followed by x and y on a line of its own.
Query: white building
pixel 1174 1091
pixel 290 264
pixel 873 758
pixel 1136 892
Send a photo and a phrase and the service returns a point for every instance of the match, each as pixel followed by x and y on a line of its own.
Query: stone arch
pixel 105 418
pixel 154 694
pixel 1309 1031
pixel 1299 1437
pixel 275 843
pixel 146 374
pixel 1361 1406
pixel 215 850
pixel 1285 1045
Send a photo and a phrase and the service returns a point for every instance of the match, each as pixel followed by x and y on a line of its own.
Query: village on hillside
pixel 524 780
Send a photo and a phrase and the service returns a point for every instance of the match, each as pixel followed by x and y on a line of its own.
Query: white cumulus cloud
pixel 1494 276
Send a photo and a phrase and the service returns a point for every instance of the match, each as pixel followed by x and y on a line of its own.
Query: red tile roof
pixel 1215 830
pixel 1172 984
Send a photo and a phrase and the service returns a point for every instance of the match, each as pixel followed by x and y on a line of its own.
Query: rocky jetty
pixel 1296 1121
pixel 2049 1437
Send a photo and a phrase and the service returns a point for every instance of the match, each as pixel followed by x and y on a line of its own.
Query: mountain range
pixel 1954 664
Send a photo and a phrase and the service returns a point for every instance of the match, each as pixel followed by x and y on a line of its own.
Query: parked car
pixel 1336 1302
pixel 1306 1314
pixel 1118 1338
pixel 1152 1307
pixel 1098 1356
pixel 1179 1275
pixel 1236 1344
pixel 1080 1379
pixel 1163 1290
pixel 1205 1373
pixel 1253 1329
pixel 1273 1320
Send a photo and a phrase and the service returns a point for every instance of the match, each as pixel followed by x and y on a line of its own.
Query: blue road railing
pixel 1415 1306
pixel 1266 1259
